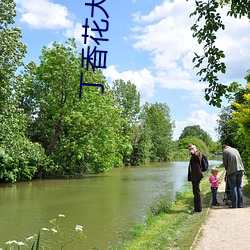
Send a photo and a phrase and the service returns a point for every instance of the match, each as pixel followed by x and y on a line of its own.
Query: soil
pixel 225 228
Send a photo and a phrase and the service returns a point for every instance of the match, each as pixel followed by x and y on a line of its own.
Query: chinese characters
pixel 94 58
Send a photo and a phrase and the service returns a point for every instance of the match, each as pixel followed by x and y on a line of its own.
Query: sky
pixel 149 44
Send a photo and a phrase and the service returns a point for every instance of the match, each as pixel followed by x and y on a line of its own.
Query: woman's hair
pixel 214 170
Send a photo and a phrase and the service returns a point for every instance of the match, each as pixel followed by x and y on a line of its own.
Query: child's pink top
pixel 214 181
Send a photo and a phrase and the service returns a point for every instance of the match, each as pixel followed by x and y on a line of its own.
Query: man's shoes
pixel 231 206
pixel 217 204
pixel 194 212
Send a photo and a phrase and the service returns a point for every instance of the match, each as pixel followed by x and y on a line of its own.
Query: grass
pixel 170 226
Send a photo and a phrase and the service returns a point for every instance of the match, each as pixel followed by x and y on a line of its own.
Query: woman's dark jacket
pixel 194 168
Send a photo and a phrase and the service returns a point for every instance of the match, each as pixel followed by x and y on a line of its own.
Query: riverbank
pixel 172 227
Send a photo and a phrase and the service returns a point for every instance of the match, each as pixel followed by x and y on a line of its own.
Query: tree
pixel 208 23
pixel 12 50
pixel 196 131
pixel 128 100
pixel 157 122
pixel 183 144
pixel 227 127
pixel 78 134
pixel 242 117
pixel 20 158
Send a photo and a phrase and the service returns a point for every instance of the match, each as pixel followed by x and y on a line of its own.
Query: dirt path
pixel 225 228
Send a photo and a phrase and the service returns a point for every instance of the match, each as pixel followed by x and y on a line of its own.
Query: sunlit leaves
pixel 211 63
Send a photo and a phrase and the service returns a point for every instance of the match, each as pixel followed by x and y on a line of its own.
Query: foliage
pixel 128 100
pixel 241 115
pixel 196 131
pixel 79 135
pixel 233 123
pixel 215 148
pixel 201 146
pixel 227 127
pixel 205 28
pixel 20 157
pixel 156 120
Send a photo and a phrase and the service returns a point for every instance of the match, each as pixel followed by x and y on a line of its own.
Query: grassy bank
pixel 170 227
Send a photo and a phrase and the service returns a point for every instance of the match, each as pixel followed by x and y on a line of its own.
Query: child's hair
pixel 214 170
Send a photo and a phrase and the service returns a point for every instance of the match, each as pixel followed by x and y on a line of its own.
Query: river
pixel 104 204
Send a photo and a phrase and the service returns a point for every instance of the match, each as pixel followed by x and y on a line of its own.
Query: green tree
pixel 19 157
pixel 227 127
pixel 207 25
pixel 183 144
pixel 128 100
pixel 196 131
pixel 157 122
pixel 78 134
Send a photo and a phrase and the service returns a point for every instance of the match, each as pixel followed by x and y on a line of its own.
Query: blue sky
pixel 150 44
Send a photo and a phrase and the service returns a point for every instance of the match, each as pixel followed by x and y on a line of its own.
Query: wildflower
pixel 61 215
pixel 20 243
pixel 78 228
pixel 10 242
pixel 54 230
pixel 29 238
pixel 45 229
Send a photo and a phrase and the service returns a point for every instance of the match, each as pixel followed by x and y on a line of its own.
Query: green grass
pixel 170 226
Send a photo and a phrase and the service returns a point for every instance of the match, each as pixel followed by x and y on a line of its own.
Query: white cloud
pixel 44 14
pixel 165 33
pixel 76 32
pixel 143 80
pixel 208 122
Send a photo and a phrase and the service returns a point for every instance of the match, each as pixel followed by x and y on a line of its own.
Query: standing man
pixel 195 175
pixel 235 170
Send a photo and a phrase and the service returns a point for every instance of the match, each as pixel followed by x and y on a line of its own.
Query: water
pixel 104 204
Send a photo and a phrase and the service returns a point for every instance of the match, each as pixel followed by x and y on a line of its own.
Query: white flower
pixel 45 229
pixel 61 215
pixel 78 228
pixel 54 230
pixel 20 243
pixel 10 242
pixel 29 238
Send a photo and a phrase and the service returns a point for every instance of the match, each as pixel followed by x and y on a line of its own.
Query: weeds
pixel 48 238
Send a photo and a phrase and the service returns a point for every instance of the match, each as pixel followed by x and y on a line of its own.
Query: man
pixel 195 175
pixel 235 170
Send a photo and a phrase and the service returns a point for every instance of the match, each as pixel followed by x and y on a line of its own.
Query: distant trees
pixel 196 131
pixel 47 130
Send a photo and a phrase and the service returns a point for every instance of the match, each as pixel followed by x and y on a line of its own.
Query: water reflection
pixel 105 204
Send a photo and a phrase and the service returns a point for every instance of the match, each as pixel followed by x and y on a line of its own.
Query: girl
pixel 214 185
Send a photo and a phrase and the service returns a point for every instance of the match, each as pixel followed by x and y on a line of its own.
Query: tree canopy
pixel 196 131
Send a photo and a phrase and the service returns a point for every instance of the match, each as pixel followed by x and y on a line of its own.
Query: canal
pixel 106 204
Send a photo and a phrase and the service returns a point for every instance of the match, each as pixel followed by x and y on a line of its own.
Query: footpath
pixel 225 228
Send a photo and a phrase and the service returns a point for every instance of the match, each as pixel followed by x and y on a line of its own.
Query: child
pixel 214 185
